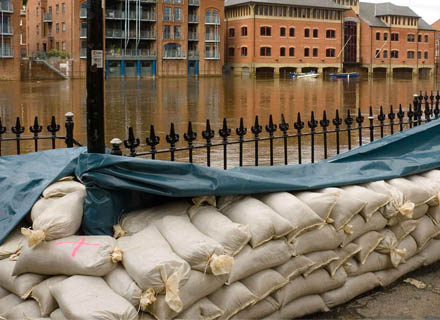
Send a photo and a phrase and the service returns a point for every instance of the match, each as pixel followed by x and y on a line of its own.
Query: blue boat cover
pixel 119 184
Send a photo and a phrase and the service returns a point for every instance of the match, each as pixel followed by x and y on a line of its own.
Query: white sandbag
pixel 351 289
pixel 431 252
pixel 203 309
pixel 358 227
pixel 40 206
pixel 320 260
pixel 145 316
pixel 326 238
pixel 432 186
pixel 318 282
pixel 232 299
pixel 344 254
pixel 8 302
pixel 375 262
pixel 58 315
pixel 413 192
pixel 232 236
pixel 389 245
pixel 150 261
pixel 368 243
pixel 409 246
pixel 419 212
pixel 60 220
pixel 259 217
pixel 263 283
pixel 20 285
pixel 374 200
pixel 294 210
pixel 11 247
pixel 85 297
pixel 198 286
pixel 434 214
pixel 4 293
pixel 389 276
pixel 425 231
pixel 295 267
pixel 301 307
pixel 399 205
pixel 62 188
pixel 259 310
pixel 250 261
pixel 201 252
pixel 26 310
pixel 75 255
pixel 346 207
pixel 41 294
pixel 321 204
pixel 404 228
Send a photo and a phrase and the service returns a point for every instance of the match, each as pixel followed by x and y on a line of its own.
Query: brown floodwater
pixel 141 103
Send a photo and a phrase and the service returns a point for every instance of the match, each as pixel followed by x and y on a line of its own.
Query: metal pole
pixel 95 77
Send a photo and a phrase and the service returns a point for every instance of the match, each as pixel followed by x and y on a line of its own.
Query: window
pixel 166 32
pixel 178 33
pixel 394 37
pixel 419 38
pixel 172 50
pixel 231 52
pixel 231 32
pixel 330 34
pixel 330 52
pixel 419 55
pixel 282 52
pixel 385 54
pixel 291 32
pixel 306 52
pixel 244 31
pixel 291 52
pixel 265 51
pixel 64 46
pixel 166 13
pixel 265 31
pixel 385 36
pixel 315 52
pixel 58 46
pixel 307 33
pixel 426 38
pixel 394 54
pixel 411 38
pixel 282 32
pixel 377 53
pixel 315 33
pixel 410 55
pixel 378 36
pixel 426 54
pixel 63 7
pixel 244 51
pixel 177 14
pixel 57 9
pixel 64 27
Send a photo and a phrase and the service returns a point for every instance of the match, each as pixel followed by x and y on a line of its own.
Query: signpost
pixel 95 77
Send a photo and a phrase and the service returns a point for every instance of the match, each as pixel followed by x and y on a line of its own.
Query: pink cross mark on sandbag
pixel 81 243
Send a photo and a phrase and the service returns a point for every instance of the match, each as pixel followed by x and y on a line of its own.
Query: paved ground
pixel 398 301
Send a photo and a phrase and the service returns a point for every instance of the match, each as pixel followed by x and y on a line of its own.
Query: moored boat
pixel 345 75
pixel 303 75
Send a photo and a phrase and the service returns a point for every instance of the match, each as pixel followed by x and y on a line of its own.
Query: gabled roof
pixel 389 9
pixel 308 3
pixel 423 25
pixel 367 13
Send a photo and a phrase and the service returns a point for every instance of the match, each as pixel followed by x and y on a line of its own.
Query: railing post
pixel 271 128
pixel 241 132
pixel 36 129
pixel 208 135
pixel 18 130
pixel 371 119
pixel 2 131
pixel 256 130
pixel 131 143
pixel 381 117
pixel 189 137
pixel 152 141
pixel 337 121
pixel 225 132
pixel 401 117
pixel 349 123
pixel 391 117
pixel 312 125
pixel 116 147
pixel 437 105
pixel 284 127
pixel 53 128
pixel 360 120
pixel 172 139
pixel 324 124
pixel 69 129
pixel 299 125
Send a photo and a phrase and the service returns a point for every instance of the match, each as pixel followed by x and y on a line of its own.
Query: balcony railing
pixel 172 54
pixel 193 54
pixel 117 33
pixel 212 37
pixel 83 34
pixel 212 55
pixel 147 34
pixel 146 1
pixel 193 18
pixel 83 13
pixel 147 15
pixel 6 30
pixel 6 7
pixel 83 53
pixel 193 36
pixel 194 2
pixel 47 17
pixel 6 52
pixel 212 20
pixel 148 53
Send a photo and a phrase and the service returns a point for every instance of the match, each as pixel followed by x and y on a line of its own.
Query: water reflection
pixel 140 103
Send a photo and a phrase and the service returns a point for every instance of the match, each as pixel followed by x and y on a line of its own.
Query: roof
pixel 367 13
pixel 309 3
pixel 436 25
pixel 423 25
pixel 389 9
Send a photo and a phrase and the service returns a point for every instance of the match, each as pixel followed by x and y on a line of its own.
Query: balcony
pixel 114 14
pixel 148 16
pixel 83 33
pixel 145 1
pixel 114 34
pixel 50 35
pixel 83 13
pixel 193 36
pixel 6 7
pixel 193 54
pixel 172 54
pixel 212 37
pixel 47 17
pixel 6 52
pixel 83 53
pixel 131 53
pixel 6 30
pixel 212 55
pixel 193 18
pixel 194 3
pixel 148 35
pixel 214 20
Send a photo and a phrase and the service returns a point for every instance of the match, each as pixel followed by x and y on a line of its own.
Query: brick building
pixel 436 26
pixel 326 36
pixel 10 39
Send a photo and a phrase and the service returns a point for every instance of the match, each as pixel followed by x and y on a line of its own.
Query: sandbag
pixel 346 207
pixel 85 297
pixel 389 276
pixel 351 289
pixel 3 292
pixel 318 282
pixel 358 227
pixel 263 283
pixel 409 245
pixel 368 243
pixel 40 206
pixel 20 285
pixel 374 200
pixel 232 299
pixel 75 255
pixel 389 245
pixel 26 310
pixel 8 302
pixel 250 261
pixel 232 236
pixel 326 238
pixel 150 261
pixel 61 219
pixel 344 254
pixel 12 245
pixel 432 186
pixel 41 294
pixel 295 267
pixel 201 252
pixel 413 192
pixel 260 218
pixel 434 214
pixel 198 286
pixel 203 309
pixel 259 310
pixel 320 260
pixel 431 252
pixel 301 307
pixel 320 203
pixel 62 188
pixel 296 212
pixel 404 228
pixel 425 231
pixel 58 315
pixel 375 262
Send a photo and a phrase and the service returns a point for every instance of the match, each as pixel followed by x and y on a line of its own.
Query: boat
pixel 303 75
pixel 345 75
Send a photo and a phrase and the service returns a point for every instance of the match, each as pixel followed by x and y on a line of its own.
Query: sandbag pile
pixel 275 256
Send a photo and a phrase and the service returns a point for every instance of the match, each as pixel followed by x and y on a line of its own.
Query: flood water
pixel 141 103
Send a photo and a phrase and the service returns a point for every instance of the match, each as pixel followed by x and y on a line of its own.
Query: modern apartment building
pixel 10 39
pixel 281 36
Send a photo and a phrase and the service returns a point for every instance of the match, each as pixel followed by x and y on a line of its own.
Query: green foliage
pixel 58 53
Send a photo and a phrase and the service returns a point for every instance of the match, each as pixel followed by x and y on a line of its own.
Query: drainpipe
pixel 253 58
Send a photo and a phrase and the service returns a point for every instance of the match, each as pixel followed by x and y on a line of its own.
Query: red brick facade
pixel 436 26
pixel 10 40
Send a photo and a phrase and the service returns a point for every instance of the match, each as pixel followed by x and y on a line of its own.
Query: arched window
pixel 212 17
